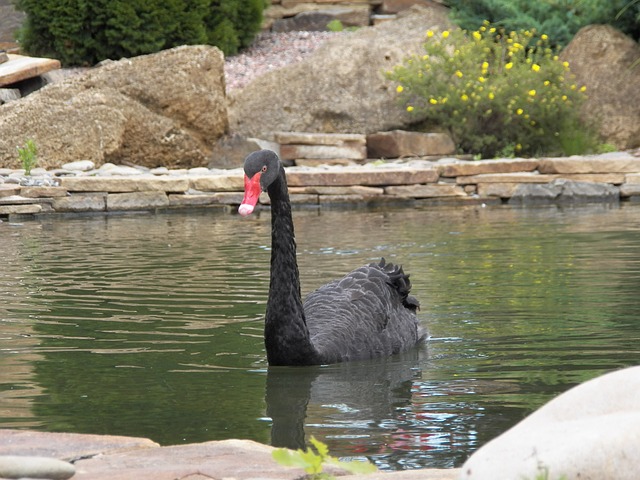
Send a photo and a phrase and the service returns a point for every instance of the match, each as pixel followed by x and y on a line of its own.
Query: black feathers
pixel 368 313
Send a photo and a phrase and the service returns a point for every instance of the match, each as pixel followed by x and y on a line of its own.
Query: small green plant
pixel 495 92
pixel 312 462
pixel 336 25
pixel 28 156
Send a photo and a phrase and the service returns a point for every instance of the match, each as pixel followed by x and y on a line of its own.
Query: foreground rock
pixel 106 457
pixel 590 432
pixel 341 87
pixel 162 109
pixel 606 61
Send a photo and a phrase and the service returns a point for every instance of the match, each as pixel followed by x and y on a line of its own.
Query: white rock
pixel 199 171
pixel 12 466
pixel 589 432
pixel 111 169
pixel 80 165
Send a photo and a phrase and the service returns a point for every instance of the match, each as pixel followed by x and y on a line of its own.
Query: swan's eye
pixel 264 168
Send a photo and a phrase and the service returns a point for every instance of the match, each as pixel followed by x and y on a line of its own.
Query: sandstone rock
pixel 9 94
pixel 353 190
pixel 82 202
pixel 534 177
pixel 125 184
pixel 39 192
pixel 7 190
pixel 292 152
pixel 354 14
pixel 591 431
pixel 605 60
pixel 194 200
pixel 501 190
pixel 395 6
pixel 335 139
pixel 231 150
pixel 367 177
pixel 630 190
pixel 426 191
pixel 14 466
pixel 632 178
pixel 489 166
pixel 305 21
pixel 610 163
pixel 20 209
pixel 565 191
pixel 310 162
pixel 399 143
pixel 341 87
pixel 79 165
pixel 161 109
pixel 232 182
pixel 137 200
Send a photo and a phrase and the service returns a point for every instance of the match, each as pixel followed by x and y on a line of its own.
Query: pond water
pixel 151 325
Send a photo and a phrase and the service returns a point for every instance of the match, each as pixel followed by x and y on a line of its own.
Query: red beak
pixel 252 191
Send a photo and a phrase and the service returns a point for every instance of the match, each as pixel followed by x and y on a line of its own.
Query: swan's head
pixel 261 169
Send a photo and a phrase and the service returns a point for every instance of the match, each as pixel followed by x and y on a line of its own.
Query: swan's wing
pixel 365 314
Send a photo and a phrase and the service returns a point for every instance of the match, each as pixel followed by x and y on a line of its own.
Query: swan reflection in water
pixel 354 395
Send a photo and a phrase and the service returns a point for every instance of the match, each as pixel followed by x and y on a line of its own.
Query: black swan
pixel 366 314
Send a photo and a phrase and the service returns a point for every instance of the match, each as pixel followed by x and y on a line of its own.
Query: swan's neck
pixel 286 334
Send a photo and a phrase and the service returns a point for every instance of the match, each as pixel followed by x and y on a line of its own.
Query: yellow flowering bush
pixel 496 93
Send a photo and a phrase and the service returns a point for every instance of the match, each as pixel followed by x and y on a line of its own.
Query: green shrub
pixel 28 156
pixel 496 93
pixel 79 32
pixel 561 19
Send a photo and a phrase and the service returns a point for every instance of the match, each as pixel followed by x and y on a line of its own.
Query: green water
pixel 151 325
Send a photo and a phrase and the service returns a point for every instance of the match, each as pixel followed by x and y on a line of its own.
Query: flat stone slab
pixel 201 199
pixel 303 138
pixel 400 144
pixel 489 166
pixel 43 192
pixel 137 200
pixel 610 163
pixel 20 209
pixel 363 176
pixel 323 152
pixel 122 184
pixel 20 67
pixel 426 191
pixel 7 190
pixel 81 202
pixel 218 183
pixel 106 457
pixel 66 446
pixel 534 177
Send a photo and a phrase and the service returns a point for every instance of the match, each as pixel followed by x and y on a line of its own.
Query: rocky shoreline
pixel 78 187
pixel 603 410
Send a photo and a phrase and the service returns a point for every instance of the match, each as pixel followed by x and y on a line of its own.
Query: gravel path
pixel 271 51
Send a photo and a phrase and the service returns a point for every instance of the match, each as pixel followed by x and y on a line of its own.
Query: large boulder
pixel 589 432
pixel 341 87
pixel 165 109
pixel 606 61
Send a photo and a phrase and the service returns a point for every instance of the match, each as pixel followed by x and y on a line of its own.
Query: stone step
pixel 619 162
pixel 489 166
pixel 400 144
pixel 534 177
pixel 325 152
pixel 304 138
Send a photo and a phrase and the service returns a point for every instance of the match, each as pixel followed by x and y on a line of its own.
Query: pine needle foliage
pixel 85 32
pixel 561 19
